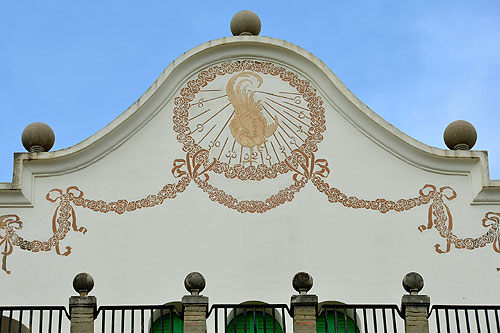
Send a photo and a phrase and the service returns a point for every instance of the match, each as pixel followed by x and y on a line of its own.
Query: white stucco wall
pixel 354 255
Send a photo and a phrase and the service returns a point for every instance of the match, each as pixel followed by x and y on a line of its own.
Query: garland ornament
pixel 196 167
pixel 304 170
pixel 440 217
pixel 267 122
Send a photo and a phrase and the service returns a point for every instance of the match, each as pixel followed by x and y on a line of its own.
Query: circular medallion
pixel 250 116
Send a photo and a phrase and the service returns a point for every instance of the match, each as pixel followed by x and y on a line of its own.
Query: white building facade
pixel 248 160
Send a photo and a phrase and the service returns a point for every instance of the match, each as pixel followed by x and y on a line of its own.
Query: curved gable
pixel 251 143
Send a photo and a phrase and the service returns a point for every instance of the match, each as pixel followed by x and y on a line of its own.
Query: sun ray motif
pixel 257 106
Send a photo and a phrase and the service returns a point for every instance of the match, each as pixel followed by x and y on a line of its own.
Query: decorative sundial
pixel 250 116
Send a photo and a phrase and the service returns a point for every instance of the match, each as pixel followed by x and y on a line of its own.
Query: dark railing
pixel 465 318
pixel 21 319
pixel 249 318
pixel 138 318
pixel 353 318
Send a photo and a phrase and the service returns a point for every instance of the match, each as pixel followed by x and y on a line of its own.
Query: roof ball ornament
pixel 413 283
pixel 245 23
pixel 302 282
pixel 38 137
pixel 194 283
pixel 460 135
pixel 83 283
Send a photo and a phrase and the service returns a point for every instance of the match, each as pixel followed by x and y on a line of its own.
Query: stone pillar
pixel 195 306
pixel 83 308
pixel 304 307
pixel 415 307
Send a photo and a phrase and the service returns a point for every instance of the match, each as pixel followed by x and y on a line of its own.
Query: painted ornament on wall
pixel 247 121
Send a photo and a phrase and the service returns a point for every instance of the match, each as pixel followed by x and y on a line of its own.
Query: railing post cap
pixel 83 283
pixel 302 282
pixel 194 283
pixel 413 283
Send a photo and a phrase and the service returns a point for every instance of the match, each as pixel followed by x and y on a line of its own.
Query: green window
pixel 259 319
pixel 178 324
pixel 339 316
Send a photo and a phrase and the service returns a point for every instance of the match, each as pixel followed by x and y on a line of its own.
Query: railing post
pixel 304 307
pixel 195 306
pixel 83 308
pixel 415 307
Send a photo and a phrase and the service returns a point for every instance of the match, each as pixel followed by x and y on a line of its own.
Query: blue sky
pixel 76 65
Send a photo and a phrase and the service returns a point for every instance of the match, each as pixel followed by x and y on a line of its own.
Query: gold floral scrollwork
pixel 492 220
pixel 8 225
pixel 304 166
pixel 194 163
pixel 64 217
pixel 439 214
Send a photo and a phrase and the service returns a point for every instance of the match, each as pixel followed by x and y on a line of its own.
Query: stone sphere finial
pixel 245 23
pixel 83 283
pixel 194 283
pixel 413 283
pixel 460 135
pixel 38 137
pixel 302 282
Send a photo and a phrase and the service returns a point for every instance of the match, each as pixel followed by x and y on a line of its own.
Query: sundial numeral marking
pixel 213 144
pixel 250 158
pixel 230 154
pixel 281 148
